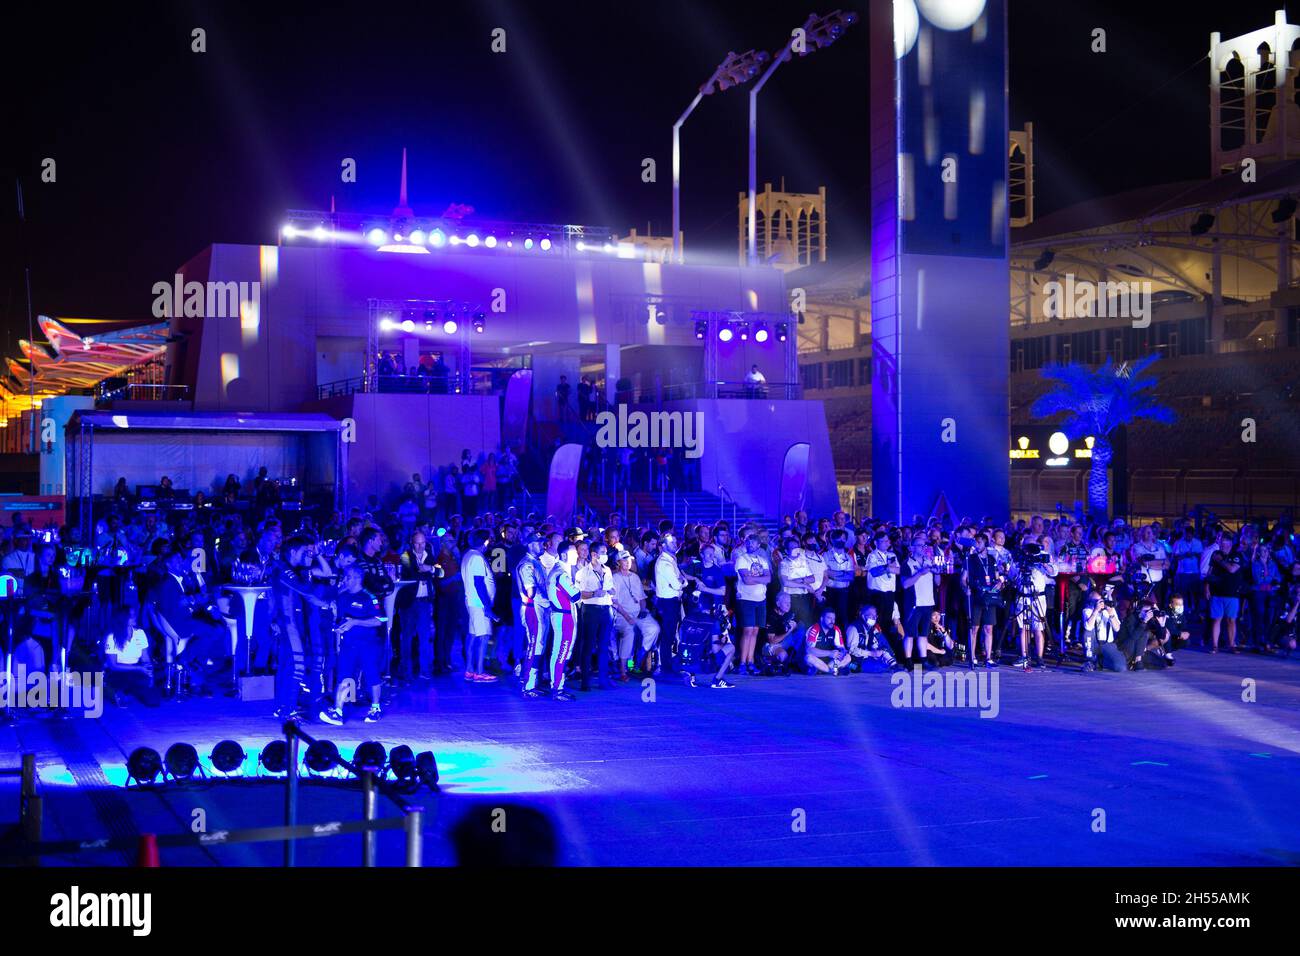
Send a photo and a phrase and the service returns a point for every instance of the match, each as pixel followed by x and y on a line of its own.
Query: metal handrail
pixel 414 815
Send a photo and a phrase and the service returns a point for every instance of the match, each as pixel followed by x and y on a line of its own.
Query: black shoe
pixel 533 693
pixel 562 695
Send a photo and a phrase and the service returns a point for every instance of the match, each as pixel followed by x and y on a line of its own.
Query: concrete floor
pixel 779 771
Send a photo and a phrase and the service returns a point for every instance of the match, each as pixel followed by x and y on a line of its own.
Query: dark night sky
pixel 162 151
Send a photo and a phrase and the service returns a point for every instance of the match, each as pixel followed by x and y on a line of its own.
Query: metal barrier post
pixel 291 795
pixel 368 793
pixel 415 837
pixel 30 811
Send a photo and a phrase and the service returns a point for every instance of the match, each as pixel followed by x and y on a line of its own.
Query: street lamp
pixel 733 71
pixel 818 33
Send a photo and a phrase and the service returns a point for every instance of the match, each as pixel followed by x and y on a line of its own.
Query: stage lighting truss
pixel 421 234
pixel 736 70
pixel 430 318
pixel 822 32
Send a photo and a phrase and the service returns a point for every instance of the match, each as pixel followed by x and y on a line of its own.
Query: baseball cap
pixel 532 536
pixel 623 555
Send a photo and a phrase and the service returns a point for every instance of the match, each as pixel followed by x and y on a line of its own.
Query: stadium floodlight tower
pixel 817 33
pixel 735 70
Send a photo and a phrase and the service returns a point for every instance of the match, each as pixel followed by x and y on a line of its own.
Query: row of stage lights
pixel 741 330
pixel 322 759
pixel 450 322
pixel 418 239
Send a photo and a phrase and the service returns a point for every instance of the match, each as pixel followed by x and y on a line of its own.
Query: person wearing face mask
pixel 562 594
pixel 532 608
pixel 797 580
pixel 841 569
pixel 595 583
pixel 867 648
pixel 669 585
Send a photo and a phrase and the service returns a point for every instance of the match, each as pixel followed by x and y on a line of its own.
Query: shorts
pixel 918 621
pixel 480 625
pixel 983 615
pixel 1228 607
pixel 361 652
pixel 751 614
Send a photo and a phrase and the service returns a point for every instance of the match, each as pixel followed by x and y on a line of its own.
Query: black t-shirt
pixel 1225 583
pixel 359 606
pixel 779 625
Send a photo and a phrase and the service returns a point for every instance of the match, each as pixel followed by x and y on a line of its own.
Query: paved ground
pixel 1175 766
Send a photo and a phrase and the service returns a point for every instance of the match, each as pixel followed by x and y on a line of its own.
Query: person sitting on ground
pixel 824 648
pixel 782 633
pixel 868 648
pixel 128 668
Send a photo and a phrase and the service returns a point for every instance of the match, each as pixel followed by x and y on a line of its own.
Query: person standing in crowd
pixel 532 607
pixel 669 585
pixel 595 584
pixel 361 629
pixel 480 596
pixel 449 605
pixel 920 583
pixel 841 569
pixel 883 570
pixel 984 583
pixel 797 580
pixel 631 616
pixel 753 575
pixel 415 607
pixel 1149 553
pixel 562 594
pixel 1224 585
pixel 1265 583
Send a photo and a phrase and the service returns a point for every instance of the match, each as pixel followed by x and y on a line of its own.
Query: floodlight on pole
pixel 816 33
pixel 733 71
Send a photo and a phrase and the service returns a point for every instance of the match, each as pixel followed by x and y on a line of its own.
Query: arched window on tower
pixel 1232 104
pixel 1265 91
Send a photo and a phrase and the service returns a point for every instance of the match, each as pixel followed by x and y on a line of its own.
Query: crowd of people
pixel 435 586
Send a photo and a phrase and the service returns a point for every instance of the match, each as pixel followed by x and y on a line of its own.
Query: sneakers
pixel 374 716
pixel 483 678
pixel 331 715
pixel 1022 663
pixel 532 693
pixel 471 675
pixel 1089 667
pixel 720 684
pixel 562 695
pixel 990 664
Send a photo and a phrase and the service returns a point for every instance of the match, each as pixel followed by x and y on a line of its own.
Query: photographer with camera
pixel 1101 626
pixel 1032 581
pixel 1144 636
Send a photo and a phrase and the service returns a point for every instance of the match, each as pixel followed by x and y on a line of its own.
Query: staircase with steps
pixel 644 507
